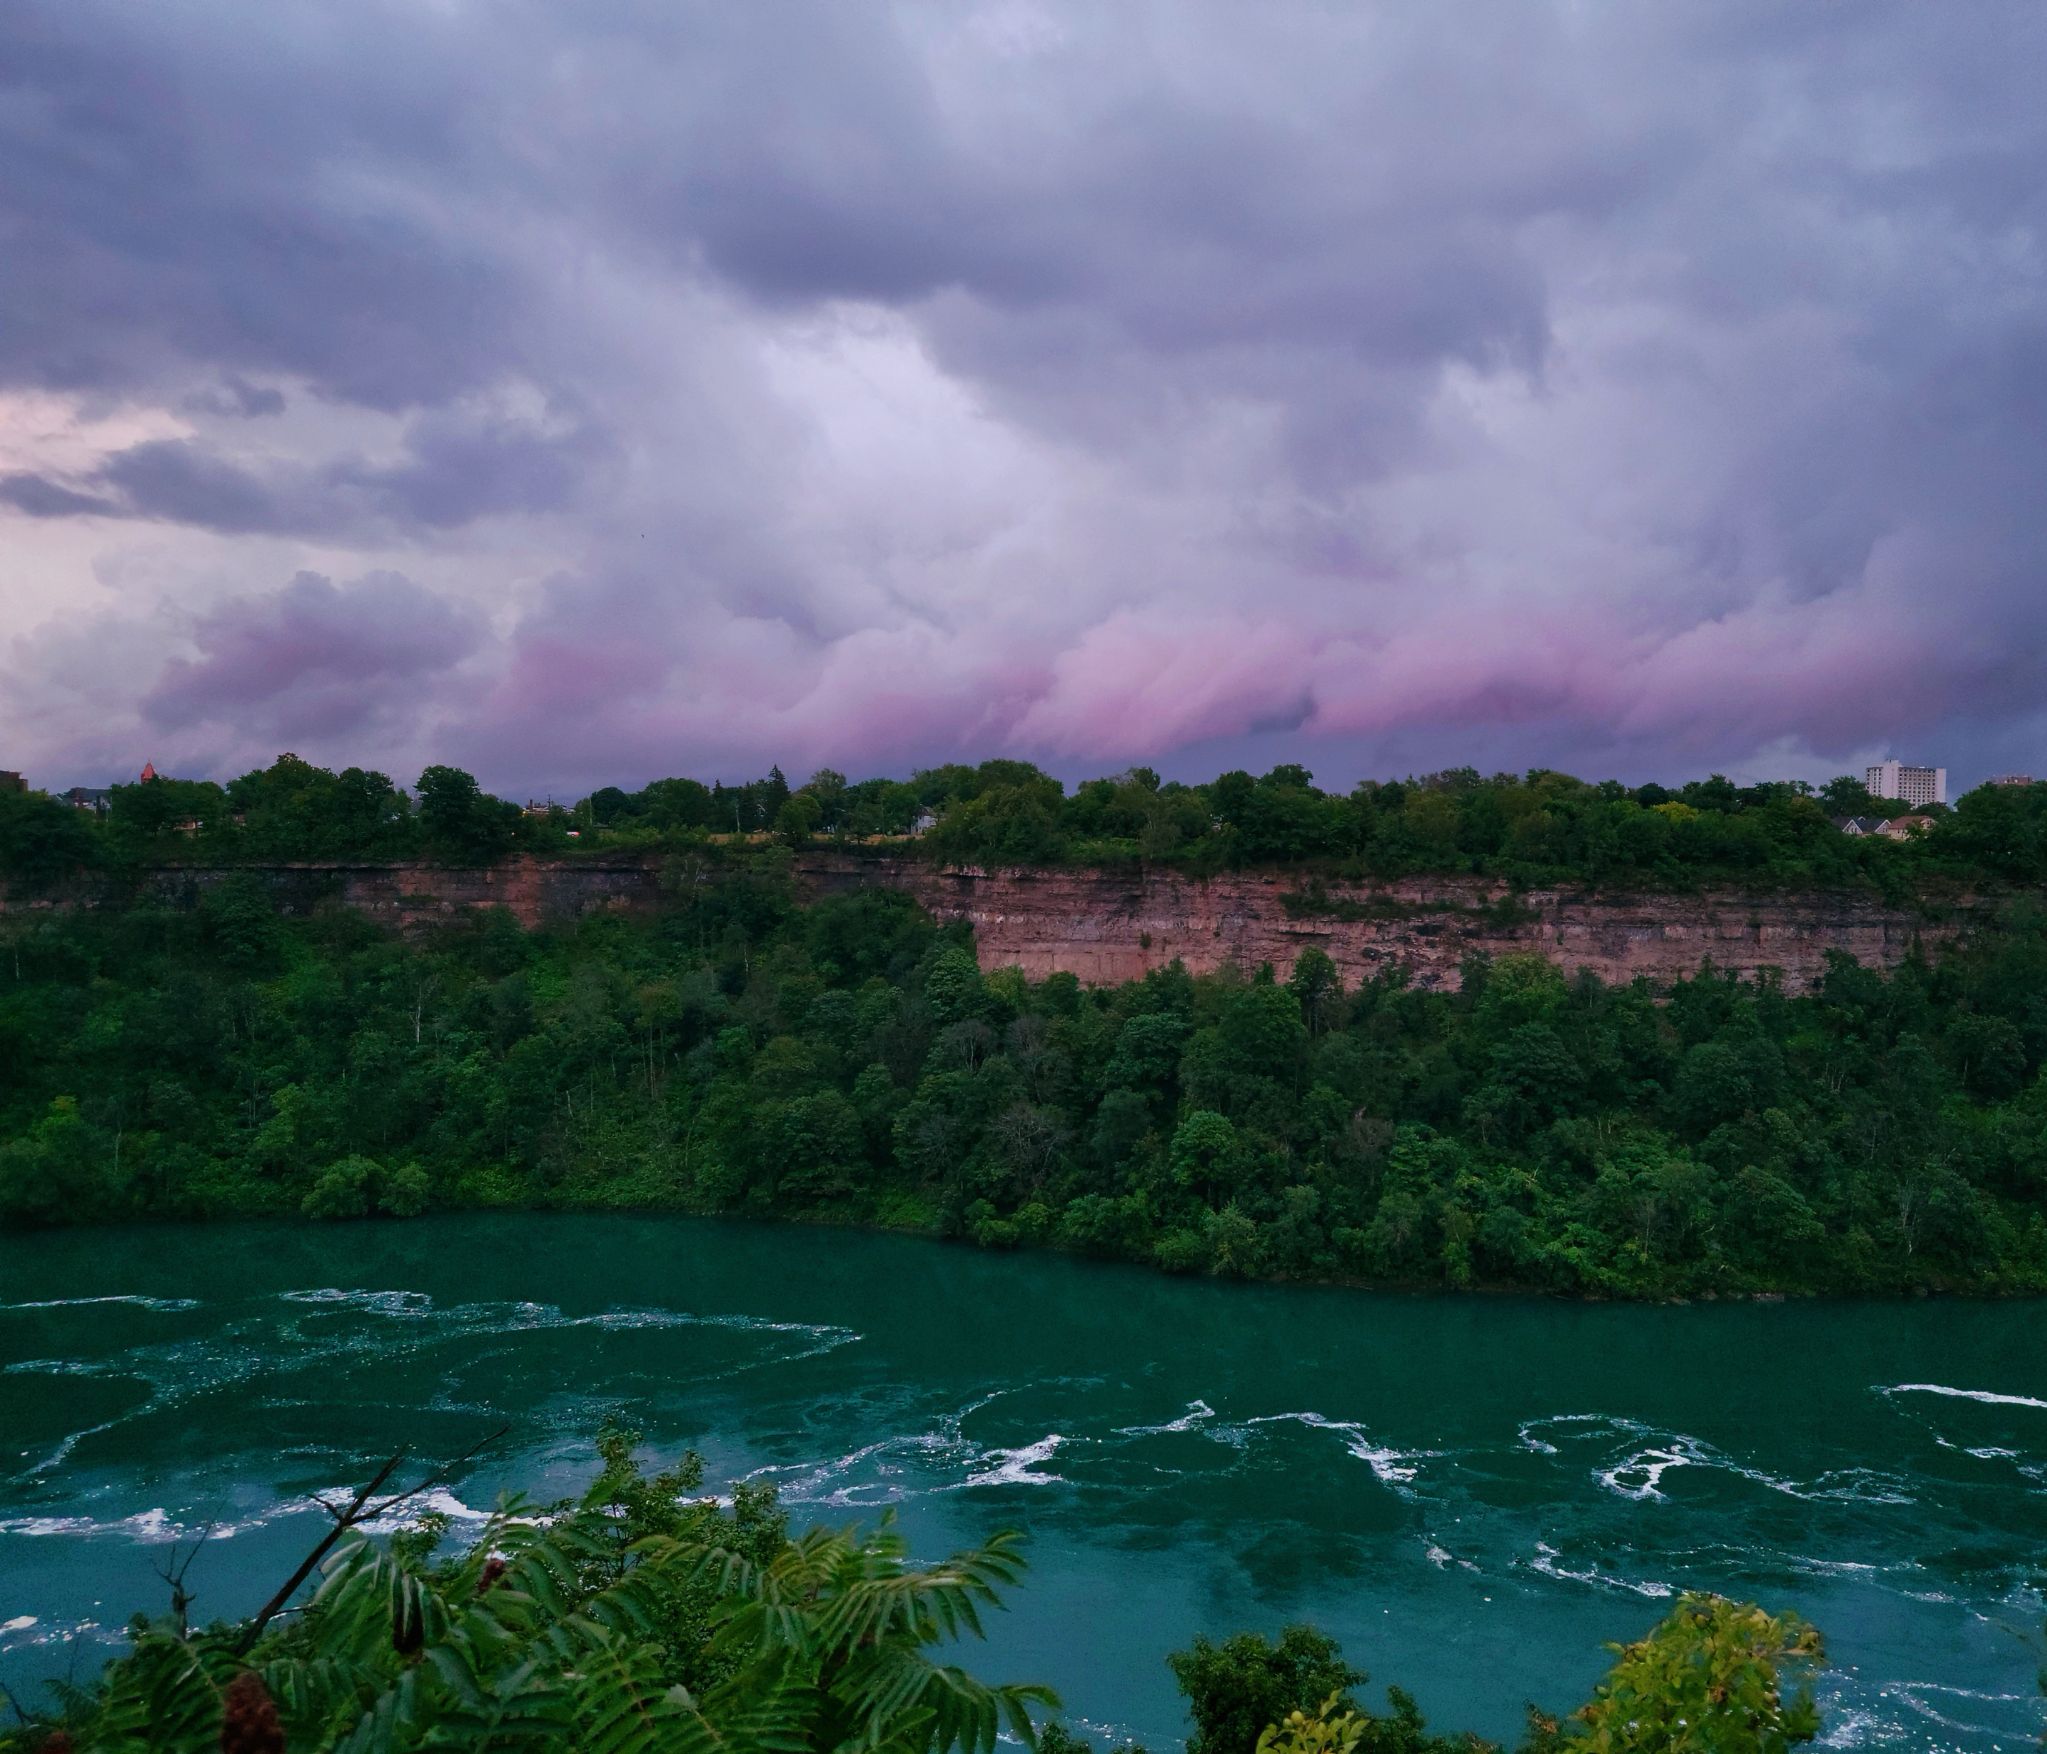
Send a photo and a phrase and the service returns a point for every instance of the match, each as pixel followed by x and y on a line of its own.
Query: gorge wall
pixel 1107 926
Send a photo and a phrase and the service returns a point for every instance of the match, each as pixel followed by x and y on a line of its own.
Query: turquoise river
pixel 1472 1493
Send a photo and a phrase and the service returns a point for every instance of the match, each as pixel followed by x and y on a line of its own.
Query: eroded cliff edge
pixel 1108 926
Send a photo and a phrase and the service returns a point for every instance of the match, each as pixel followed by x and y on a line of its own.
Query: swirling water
pixel 1472 1493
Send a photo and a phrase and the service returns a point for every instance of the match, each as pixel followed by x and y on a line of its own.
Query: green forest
pixel 1538 828
pixel 645 1617
pixel 849 1063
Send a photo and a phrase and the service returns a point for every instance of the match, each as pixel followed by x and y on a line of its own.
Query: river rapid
pixel 1471 1493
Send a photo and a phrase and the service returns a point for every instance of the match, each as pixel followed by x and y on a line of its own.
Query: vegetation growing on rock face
pixel 644 1617
pixel 1541 827
pixel 850 1062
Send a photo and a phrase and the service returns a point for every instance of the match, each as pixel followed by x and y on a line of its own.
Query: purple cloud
pixel 314 661
pixel 40 497
pixel 1656 389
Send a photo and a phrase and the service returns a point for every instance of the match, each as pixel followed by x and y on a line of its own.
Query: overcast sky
pixel 585 393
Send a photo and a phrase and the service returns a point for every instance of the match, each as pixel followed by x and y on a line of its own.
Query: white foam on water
pixel 255 1350
pixel 1016 1467
pixel 438 1502
pixel 1442 1558
pixel 1596 1424
pixel 148 1528
pixel 1112 1733
pixel 21 1633
pixel 1987 1396
pixel 58 1367
pixel 1852 1727
pixel 827 1482
pixel 71 1440
pixel 1198 1414
pixel 1837 1567
pixel 1639 1475
pixel 134 1299
pixel 391 1303
pixel 1913 1694
pixel 523 1315
pixel 1396 1468
pixel 1857 1486
pixel 901 1466
pixel 1545 1561
pixel 157 1527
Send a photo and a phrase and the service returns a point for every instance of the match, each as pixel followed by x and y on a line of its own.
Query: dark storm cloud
pixel 453 471
pixel 195 184
pixel 40 497
pixel 184 483
pixel 1080 382
pixel 457 470
pixel 314 659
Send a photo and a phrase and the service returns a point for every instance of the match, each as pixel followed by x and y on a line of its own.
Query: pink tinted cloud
pixel 1148 680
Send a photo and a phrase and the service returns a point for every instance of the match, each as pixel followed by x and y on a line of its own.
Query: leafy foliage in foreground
pixel 1708 1678
pixel 631 1621
pixel 849 1062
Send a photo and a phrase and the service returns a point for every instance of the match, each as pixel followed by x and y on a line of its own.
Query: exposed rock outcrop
pixel 1107 926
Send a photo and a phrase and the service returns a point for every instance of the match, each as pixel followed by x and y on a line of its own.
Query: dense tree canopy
pixel 850 1061
pixel 1538 827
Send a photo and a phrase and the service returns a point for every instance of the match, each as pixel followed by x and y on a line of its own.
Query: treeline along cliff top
pixel 850 1062
pixel 1538 828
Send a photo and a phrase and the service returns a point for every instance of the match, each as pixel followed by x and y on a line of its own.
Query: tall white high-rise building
pixel 1916 785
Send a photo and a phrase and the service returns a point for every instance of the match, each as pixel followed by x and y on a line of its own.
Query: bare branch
pixel 438 1477
pixel 364 1507
pixel 343 1521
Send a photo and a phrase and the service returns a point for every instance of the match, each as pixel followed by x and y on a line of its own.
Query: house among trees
pixel 1905 827
pixel 97 799
pixel 10 781
pixel 1859 825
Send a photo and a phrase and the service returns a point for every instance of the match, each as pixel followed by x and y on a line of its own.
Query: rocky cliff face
pixel 1107 926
